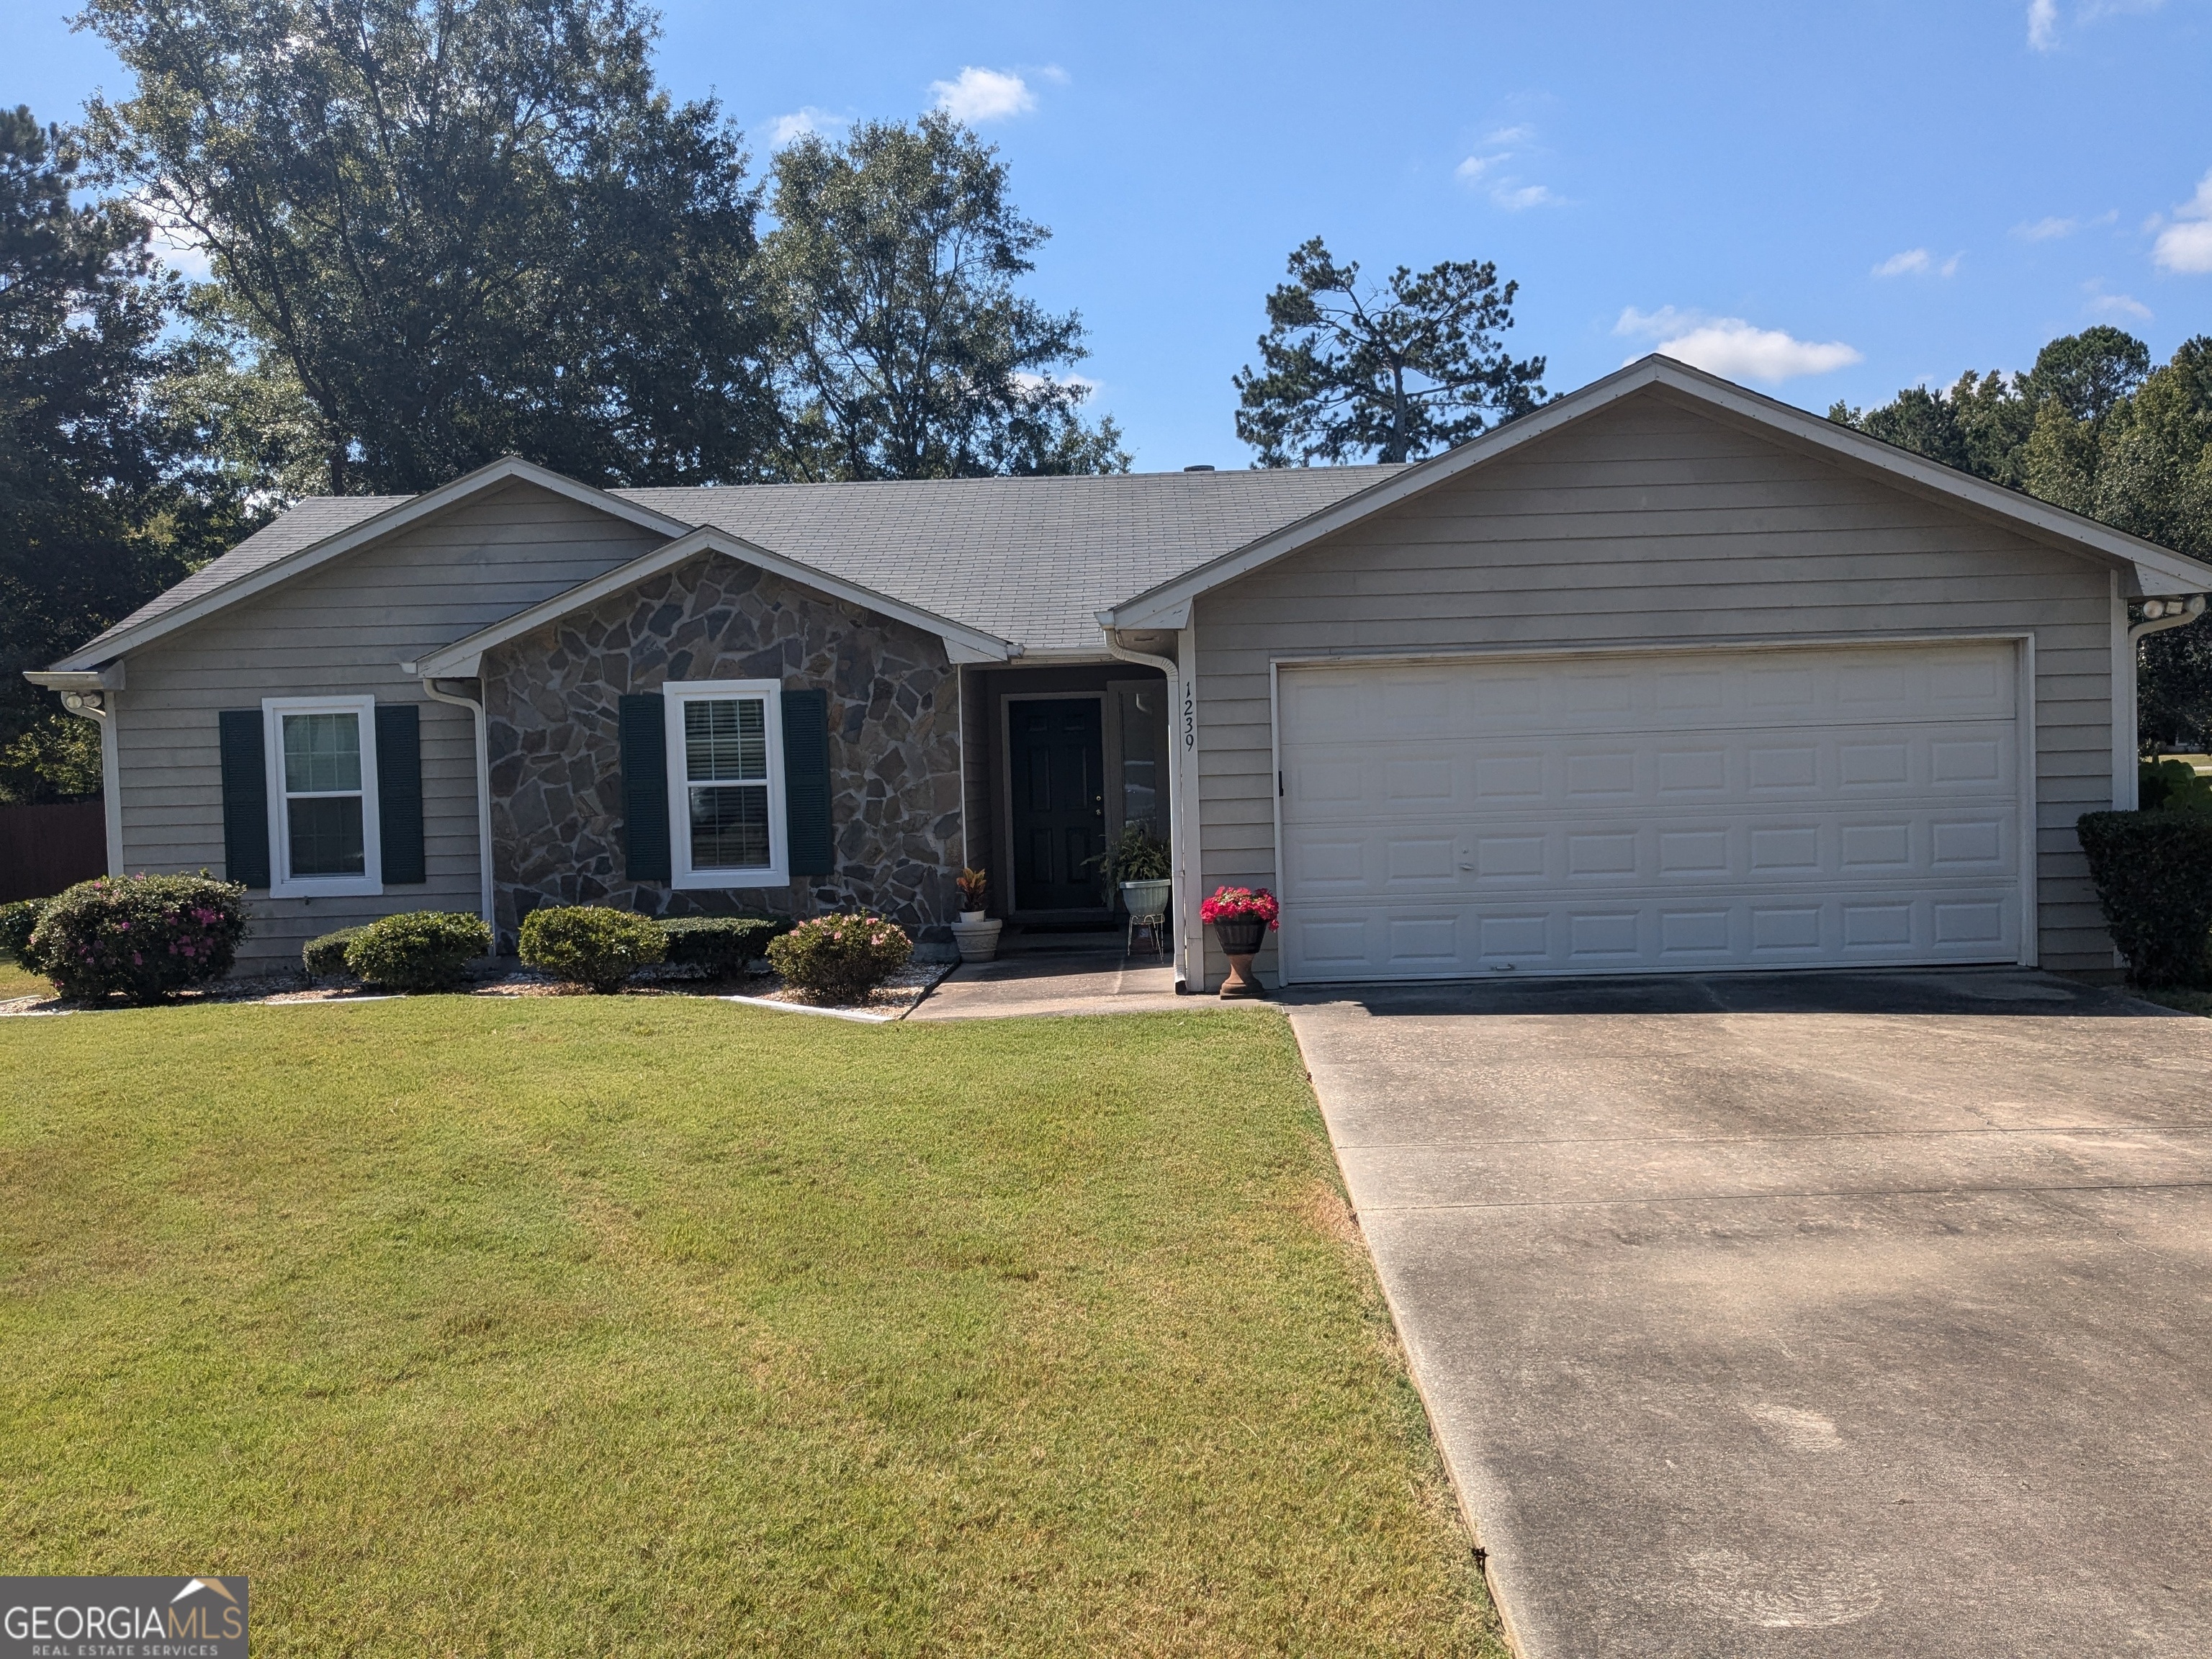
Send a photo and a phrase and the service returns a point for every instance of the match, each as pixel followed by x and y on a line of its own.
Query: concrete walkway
pixel 1091 976
pixel 1849 1313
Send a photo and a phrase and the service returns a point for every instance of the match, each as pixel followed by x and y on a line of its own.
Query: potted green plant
pixel 975 934
pixel 1140 864
pixel 1241 918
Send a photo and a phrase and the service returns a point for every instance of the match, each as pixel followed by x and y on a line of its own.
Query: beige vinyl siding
pixel 347 627
pixel 1647 523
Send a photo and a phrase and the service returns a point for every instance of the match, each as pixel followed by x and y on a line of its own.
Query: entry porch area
pixel 1058 760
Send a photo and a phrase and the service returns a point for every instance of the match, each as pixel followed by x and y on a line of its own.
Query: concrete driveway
pixel 1840 1314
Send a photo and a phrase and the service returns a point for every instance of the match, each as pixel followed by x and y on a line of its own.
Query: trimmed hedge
pixel 842 957
pixel 722 945
pixel 2154 876
pixel 590 945
pixel 144 936
pixel 325 957
pixel 18 922
pixel 418 950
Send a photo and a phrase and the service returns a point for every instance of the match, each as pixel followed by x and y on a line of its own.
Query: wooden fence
pixel 44 849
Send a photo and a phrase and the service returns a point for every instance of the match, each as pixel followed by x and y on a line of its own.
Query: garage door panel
pixel 1433 853
pixel 1509 831
pixel 1353 782
pixel 1632 935
pixel 1658 693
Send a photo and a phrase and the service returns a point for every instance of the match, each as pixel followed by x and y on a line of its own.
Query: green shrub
pixel 590 945
pixel 17 922
pixel 144 936
pixel 418 950
pixel 325 957
pixel 2154 876
pixel 2174 786
pixel 842 957
pixel 722 945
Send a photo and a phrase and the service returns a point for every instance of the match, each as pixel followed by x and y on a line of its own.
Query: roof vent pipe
pixel 1202 467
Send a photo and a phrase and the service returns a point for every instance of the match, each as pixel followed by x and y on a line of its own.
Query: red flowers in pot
pixel 1241 917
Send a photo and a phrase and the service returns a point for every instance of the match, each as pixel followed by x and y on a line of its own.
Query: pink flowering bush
pixel 840 959
pixel 1242 904
pixel 142 936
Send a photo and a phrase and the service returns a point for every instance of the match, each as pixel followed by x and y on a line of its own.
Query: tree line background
pixel 436 234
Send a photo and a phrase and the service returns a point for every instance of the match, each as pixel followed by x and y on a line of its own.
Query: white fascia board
pixel 109 678
pixel 430 502
pixel 463 657
pixel 1168 606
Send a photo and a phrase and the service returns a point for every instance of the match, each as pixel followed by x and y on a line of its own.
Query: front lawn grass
pixel 17 981
pixel 565 1326
pixel 2189 1000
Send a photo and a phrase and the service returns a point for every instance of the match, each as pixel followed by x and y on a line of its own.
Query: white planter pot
pixel 971 916
pixel 1146 898
pixel 978 941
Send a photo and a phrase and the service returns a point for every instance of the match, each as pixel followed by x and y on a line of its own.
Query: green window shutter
pixel 245 796
pixel 399 793
pixel 643 723
pixel 806 780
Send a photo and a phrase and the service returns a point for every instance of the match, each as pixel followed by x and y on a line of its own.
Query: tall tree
pixel 2094 428
pixel 908 351
pixel 1387 374
pixel 459 230
pixel 94 518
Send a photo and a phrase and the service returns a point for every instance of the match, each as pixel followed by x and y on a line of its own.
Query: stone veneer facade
pixel 556 792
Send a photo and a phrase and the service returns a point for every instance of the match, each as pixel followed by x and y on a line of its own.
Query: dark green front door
pixel 1059 771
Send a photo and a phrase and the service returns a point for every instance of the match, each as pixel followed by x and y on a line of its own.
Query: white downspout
pixel 1179 801
pixel 475 706
pixel 97 706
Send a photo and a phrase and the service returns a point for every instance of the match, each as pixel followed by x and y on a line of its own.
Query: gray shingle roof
pixel 1030 560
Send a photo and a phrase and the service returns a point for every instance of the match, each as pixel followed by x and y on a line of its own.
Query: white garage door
pixel 1806 807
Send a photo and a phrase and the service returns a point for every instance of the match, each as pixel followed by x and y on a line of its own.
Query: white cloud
pixel 982 94
pixel 1030 382
pixel 2043 17
pixel 783 129
pixel 1505 188
pixel 2052 228
pixel 1515 198
pixel 173 243
pixel 1730 347
pixel 2120 305
pixel 1917 262
pixel 2186 244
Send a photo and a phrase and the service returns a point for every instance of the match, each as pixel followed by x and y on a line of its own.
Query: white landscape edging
pixel 854 1014
pixel 327 1002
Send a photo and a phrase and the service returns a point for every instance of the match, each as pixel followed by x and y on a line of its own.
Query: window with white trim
pixel 725 811
pixel 323 827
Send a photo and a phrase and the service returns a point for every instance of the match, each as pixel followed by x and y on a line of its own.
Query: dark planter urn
pixel 1240 938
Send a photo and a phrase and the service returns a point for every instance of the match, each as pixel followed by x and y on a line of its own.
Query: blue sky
pixel 1821 201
